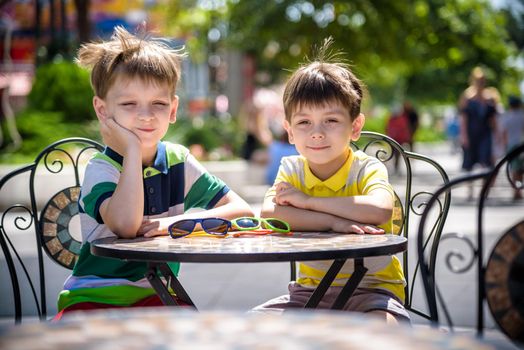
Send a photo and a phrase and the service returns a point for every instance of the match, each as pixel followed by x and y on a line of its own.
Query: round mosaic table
pixel 165 328
pixel 297 246
pixel 268 248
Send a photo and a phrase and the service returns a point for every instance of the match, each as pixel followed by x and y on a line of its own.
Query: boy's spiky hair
pixel 324 79
pixel 132 56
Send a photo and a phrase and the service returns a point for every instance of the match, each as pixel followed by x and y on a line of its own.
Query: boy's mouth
pixel 146 129
pixel 317 148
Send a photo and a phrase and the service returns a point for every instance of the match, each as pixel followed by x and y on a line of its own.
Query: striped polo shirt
pixel 175 183
pixel 359 175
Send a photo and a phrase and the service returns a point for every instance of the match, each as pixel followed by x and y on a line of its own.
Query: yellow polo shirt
pixel 359 175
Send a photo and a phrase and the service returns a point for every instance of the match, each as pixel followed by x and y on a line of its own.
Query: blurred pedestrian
pixel 412 116
pixel 512 130
pixel 398 128
pixel 258 135
pixel 452 125
pixel 477 110
pixel 279 148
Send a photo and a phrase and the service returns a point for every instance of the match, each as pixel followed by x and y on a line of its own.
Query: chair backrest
pixel 499 280
pixel 43 196
pixel 420 176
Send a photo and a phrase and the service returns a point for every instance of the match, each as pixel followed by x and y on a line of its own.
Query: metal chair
pixel 43 196
pixel 500 278
pixel 410 198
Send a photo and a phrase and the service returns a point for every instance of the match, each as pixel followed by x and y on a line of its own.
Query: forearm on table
pixel 300 219
pixel 369 209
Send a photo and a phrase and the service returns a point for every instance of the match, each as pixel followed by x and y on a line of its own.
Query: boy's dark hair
pixel 128 55
pixel 321 81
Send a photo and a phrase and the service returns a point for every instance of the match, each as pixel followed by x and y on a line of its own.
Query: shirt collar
pixel 335 182
pixel 160 162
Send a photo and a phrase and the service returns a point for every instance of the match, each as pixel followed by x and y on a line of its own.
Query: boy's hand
pixel 286 194
pixel 154 227
pixel 117 137
pixel 349 226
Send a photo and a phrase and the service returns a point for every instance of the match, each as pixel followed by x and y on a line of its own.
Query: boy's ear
pixel 99 106
pixel 358 125
pixel 287 127
pixel 174 108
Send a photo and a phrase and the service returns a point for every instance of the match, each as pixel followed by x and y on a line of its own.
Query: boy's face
pixel 146 109
pixel 322 134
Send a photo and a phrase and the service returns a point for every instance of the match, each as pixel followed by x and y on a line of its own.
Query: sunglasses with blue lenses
pixel 212 226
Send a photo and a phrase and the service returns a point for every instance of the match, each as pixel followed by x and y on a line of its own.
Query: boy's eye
pixel 332 120
pixel 127 104
pixel 302 122
pixel 159 103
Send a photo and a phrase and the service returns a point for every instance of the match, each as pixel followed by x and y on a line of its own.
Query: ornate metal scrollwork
pixel 58 163
pixel 380 149
pixel 454 254
pixel 22 227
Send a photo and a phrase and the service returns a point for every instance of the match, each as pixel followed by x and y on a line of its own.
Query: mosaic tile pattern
pixel 504 281
pixel 56 236
pixel 274 244
pixel 166 328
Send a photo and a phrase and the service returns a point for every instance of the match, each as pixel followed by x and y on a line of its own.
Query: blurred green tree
pixel 421 49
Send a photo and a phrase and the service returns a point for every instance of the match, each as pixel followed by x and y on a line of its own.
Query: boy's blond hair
pixel 322 81
pixel 130 56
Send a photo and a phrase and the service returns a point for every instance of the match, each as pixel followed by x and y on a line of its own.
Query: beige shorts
pixel 362 300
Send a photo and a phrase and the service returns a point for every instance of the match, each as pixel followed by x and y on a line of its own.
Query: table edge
pixel 364 252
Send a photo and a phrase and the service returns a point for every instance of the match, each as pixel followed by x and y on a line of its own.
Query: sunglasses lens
pixel 250 223
pixel 182 228
pixel 215 226
pixel 278 224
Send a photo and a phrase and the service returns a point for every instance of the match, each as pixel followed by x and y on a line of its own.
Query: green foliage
pixel 210 132
pixel 62 87
pixel 422 50
pixel 376 124
pixel 426 134
pixel 39 129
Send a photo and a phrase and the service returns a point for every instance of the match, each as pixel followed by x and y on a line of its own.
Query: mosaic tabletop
pixel 274 247
pixel 164 329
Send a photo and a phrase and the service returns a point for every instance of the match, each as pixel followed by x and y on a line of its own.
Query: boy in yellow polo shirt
pixel 329 187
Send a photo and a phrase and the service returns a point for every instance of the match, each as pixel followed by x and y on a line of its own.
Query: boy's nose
pixel 317 133
pixel 145 113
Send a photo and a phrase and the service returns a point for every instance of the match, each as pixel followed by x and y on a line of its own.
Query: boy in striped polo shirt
pixel 329 187
pixel 139 184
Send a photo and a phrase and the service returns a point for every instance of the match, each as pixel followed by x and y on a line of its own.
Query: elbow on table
pixel 383 215
pixel 123 230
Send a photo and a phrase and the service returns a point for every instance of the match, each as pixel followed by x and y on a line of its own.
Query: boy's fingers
pixel 374 230
pixel 153 233
pixel 150 233
pixel 357 229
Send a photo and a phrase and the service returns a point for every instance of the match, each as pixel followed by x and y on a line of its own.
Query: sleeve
pixel 202 189
pixel 285 171
pixel 99 183
pixel 373 176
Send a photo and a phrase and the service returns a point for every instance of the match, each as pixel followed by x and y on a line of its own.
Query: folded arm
pixel 374 208
pixel 309 220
